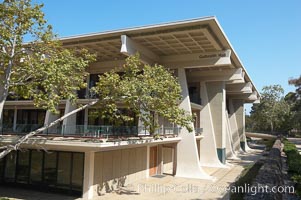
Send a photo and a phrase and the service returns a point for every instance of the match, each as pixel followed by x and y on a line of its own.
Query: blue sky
pixel 266 34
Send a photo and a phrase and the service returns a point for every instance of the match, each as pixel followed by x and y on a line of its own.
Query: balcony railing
pixel 90 130
pixel 198 131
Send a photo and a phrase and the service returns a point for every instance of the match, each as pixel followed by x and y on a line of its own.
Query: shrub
pixel 294 164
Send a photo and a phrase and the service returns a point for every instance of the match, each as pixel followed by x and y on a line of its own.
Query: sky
pixel 266 34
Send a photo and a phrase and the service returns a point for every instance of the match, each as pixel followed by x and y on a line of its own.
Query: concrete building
pixel 87 159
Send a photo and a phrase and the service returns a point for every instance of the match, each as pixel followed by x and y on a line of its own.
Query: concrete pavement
pixel 161 187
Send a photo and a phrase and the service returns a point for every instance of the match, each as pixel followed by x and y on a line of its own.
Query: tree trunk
pixel 3 95
pixel 15 146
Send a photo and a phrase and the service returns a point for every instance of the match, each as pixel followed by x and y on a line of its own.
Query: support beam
pixel 130 47
pixel 208 152
pixel 187 166
pixel 197 60
pixel 15 119
pixel 105 66
pixel 233 125
pixel 247 97
pixel 69 124
pixel 216 75
pixel 88 182
pixel 239 88
pixel 50 117
pixel 217 101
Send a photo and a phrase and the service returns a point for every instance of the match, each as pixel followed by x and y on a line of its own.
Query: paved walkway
pixel 164 187
pixel 169 187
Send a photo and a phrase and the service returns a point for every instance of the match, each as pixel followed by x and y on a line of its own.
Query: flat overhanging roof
pixel 164 43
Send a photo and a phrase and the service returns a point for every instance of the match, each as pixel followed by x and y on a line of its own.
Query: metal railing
pixel 90 130
pixel 198 131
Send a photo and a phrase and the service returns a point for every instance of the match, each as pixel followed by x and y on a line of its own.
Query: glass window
pixel 1 169
pixel 50 168
pixel 8 119
pixel 77 171
pixel 10 167
pixel 64 170
pixel 23 166
pixel 36 167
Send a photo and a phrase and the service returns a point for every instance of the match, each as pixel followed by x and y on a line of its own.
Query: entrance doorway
pixel 153 160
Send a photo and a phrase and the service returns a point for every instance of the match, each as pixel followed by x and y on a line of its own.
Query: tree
pixel 40 70
pixel 295 101
pixel 148 91
pixel 273 112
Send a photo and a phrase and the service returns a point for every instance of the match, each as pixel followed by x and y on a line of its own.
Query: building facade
pixel 89 156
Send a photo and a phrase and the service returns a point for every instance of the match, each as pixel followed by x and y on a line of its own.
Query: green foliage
pixel 40 70
pixel 146 90
pixel 294 99
pixel 294 163
pixel 272 113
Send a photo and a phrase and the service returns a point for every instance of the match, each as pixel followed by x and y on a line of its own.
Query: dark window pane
pixel 50 169
pixel 77 172
pixel 64 170
pixel 1 169
pixel 10 167
pixel 23 166
pixel 36 167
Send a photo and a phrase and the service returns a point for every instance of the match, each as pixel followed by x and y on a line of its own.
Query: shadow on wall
pixel 118 168
pixel 117 186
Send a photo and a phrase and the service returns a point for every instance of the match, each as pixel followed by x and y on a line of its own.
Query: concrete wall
pixel 118 168
pixel 167 160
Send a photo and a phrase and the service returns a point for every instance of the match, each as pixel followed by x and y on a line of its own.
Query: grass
pixel 268 143
pixel 294 164
pixel 247 176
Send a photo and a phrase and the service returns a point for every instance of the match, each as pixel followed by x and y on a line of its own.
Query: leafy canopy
pixel 145 90
pixel 295 100
pixel 273 112
pixel 40 70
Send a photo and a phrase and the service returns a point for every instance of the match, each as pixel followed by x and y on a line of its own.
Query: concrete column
pixel 147 161
pixel 86 120
pixel 69 124
pixel 142 130
pixel 89 191
pixel 217 100
pixel 208 147
pixel 50 117
pixel 238 106
pixel 234 126
pixel 15 119
pixel 230 153
pixel 160 159
pixel 188 164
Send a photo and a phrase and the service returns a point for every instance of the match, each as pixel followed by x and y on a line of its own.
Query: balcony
pixel 91 131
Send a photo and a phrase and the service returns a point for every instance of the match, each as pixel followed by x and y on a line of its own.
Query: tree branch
pixel 24 138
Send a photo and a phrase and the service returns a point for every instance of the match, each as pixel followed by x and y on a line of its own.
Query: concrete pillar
pixel 86 120
pixel 230 153
pixel 234 126
pixel 217 101
pixel 238 105
pixel 15 119
pixel 188 164
pixel 160 159
pixel 89 190
pixel 208 147
pixel 69 124
pixel 142 130
pixel 50 117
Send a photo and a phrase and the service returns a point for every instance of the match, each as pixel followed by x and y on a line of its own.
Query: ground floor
pixel 160 187
pixel 86 172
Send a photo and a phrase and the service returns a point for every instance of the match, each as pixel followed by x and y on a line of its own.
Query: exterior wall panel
pixel 117 168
